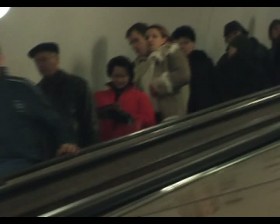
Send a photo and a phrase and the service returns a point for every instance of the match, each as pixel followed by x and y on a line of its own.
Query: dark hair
pixel 234 26
pixel 185 32
pixel 138 27
pixel 121 61
pixel 274 23
pixel 163 31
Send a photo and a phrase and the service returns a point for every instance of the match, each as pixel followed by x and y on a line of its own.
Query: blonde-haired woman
pixel 167 81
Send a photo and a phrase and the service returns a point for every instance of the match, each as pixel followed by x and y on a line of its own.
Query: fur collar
pixel 163 51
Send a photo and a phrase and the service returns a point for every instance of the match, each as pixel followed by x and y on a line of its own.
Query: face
pixel 231 36
pixel 155 39
pixel 47 63
pixel 275 32
pixel 138 43
pixel 120 77
pixel 186 45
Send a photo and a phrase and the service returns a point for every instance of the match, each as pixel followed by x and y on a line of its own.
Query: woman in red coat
pixel 122 108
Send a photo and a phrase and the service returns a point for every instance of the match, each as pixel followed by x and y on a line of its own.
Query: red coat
pixel 132 101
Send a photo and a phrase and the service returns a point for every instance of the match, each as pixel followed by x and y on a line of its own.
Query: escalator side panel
pixel 247 188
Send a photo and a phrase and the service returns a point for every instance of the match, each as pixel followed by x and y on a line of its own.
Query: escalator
pixel 158 192
pixel 216 112
pixel 248 186
pixel 107 177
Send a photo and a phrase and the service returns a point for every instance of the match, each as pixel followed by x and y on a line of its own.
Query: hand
pixel 123 117
pixel 107 111
pixel 68 149
pixel 231 51
pixel 113 106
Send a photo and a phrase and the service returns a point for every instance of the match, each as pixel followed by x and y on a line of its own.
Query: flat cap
pixel 43 47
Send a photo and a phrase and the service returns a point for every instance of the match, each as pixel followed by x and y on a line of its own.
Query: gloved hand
pixel 121 116
pixel 106 112
pixel 114 112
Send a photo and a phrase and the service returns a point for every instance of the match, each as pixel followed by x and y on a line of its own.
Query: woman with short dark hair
pixel 122 108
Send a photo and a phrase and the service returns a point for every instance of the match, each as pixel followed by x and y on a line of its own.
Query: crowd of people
pixel 168 79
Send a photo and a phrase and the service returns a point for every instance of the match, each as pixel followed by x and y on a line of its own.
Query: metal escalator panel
pixel 130 194
pixel 247 186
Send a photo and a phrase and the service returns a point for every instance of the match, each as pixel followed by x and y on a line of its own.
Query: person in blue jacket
pixel 28 123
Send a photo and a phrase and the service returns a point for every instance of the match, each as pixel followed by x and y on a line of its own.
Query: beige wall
pixel 89 37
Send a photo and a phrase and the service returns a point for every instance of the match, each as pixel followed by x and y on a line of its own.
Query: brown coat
pixel 168 71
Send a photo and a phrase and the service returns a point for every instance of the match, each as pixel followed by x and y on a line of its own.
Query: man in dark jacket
pixel 244 68
pixel 27 122
pixel 274 36
pixel 201 86
pixel 68 94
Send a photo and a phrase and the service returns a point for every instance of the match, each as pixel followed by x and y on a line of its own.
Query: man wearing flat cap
pixel 244 68
pixel 68 94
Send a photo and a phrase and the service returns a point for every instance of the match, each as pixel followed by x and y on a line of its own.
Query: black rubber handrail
pixel 223 110
pixel 121 145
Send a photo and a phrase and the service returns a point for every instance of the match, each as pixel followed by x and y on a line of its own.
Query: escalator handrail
pixel 156 135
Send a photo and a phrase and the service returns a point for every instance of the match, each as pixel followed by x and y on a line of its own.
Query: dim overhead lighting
pixel 3 11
